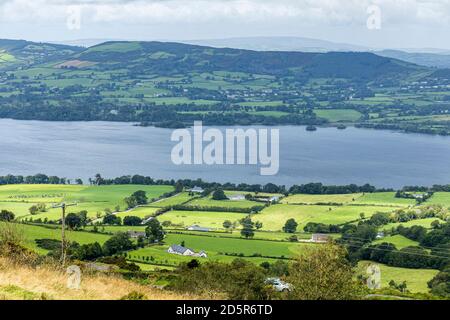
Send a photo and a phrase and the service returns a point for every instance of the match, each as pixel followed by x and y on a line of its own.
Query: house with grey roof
pixel 196 227
pixel 136 234
pixel 197 190
pixel 237 197
pixel 182 251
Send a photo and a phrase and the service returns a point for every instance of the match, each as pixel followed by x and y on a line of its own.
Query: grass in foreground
pixel 18 282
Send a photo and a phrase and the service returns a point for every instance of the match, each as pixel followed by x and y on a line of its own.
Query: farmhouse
pixel 147 220
pixel 196 227
pixel 182 251
pixel 136 234
pixel 237 197
pixel 197 190
pixel 320 238
pixel 274 199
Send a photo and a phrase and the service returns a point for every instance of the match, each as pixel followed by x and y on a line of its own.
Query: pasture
pixel 321 198
pixel 398 240
pixel 208 219
pixel 416 279
pixel 275 216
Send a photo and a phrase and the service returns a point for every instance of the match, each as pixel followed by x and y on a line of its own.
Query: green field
pixel 399 241
pixel 442 198
pixel 426 223
pixel 320 198
pixel 416 279
pixel 336 115
pixel 209 219
pixel 172 201
pixel 384 198
pixel 32 232
pixel 209 202
pixel 275 216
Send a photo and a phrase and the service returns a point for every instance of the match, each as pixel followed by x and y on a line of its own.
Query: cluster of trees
pixel 319 188
pixel 6 215
pixel 313 227
pixel 409 257
pixel 138 198
pixel 249 227
pixel 36 179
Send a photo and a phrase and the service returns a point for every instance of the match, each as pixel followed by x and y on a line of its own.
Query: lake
pixel 328 155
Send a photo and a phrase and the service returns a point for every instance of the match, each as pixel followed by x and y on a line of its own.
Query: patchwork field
pixel 94 199
pixel 268 244
pixel 223 249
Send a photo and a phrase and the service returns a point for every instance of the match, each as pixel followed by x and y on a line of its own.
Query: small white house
pixel 197 190
pixel 237 197
pixel 182 251
pixel 196 227
pixel 176 249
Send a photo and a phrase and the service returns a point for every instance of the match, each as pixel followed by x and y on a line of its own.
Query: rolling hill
pixel 172 84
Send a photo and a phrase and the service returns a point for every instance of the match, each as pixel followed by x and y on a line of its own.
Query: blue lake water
pixel 328 155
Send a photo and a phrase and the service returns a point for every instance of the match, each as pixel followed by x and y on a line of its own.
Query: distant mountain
pixel 424 59
pixel 84 42
pixel 278 44
pixel 172 58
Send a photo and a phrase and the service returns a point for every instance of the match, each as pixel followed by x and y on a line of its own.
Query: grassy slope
pixel 19 282
pixel 398 240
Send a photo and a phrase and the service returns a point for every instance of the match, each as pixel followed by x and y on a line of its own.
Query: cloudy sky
pixel 403 24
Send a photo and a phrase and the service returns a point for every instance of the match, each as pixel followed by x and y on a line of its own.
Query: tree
pixel 132 221
pixel 112 220
pixel 154 231
pixel 248 226
pixel 118 243
pixel 33 210
pixel 6 215
pixel 258 225
pixel 290 226
pixel 73 221
pixel 79 181
pixel 219 195
pixel 323 273
pixel 440 284
pixel 141 197
pixel 227 224
pixel 89 251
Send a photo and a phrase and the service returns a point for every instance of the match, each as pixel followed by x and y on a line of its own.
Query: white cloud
pixel 320 12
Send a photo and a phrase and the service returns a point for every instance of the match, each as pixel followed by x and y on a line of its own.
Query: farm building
pixel 197 190
pixel 320 238
pixel 147 220
pixel 177 249
pixel 237 197
pixel 136 234
pixel 274 199
pixel 198 228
